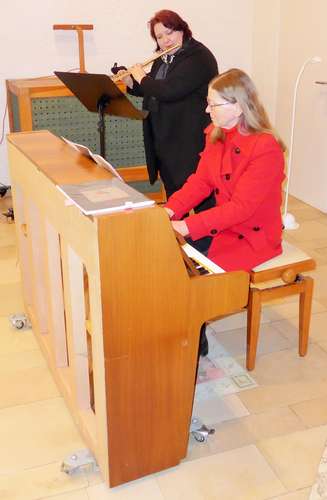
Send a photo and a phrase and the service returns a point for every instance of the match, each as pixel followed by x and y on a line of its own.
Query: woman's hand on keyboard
pixel 181 227
pixel 169 211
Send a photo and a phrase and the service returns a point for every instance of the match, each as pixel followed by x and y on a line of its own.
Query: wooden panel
pixel 152 314
pixel 56 299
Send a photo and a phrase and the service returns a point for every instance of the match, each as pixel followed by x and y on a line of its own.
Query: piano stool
pixel 277 278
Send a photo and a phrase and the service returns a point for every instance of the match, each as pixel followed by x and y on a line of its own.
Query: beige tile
pixel 7 234
pixel 11 299
pixel 35 434
pixel 218 409
pixel 302 494
pixel 43 482
pixel 232 322
pixel 228 435
pixel 295 457
pixel 275 422
pixel 9 252
pixel 290 328
pixel 72 495
pixel 237 474
pixel 9 267
pixel 12 340
pixel 287 367
pixel 24 378
pixel 312 412
pixel 246 430
pixel 322 220
pixel 296 203
pixel 290 309
pixel 143 489
pixel 323 345
pixel 309 230
pixel 270 340
pixel 320 283
pixel 306 213
pixel 285 378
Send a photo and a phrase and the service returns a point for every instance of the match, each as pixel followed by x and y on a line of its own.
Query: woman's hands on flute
pixel 127 79
pixel 137 72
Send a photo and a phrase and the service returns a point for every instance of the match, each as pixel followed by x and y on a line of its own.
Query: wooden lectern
pixel 114 310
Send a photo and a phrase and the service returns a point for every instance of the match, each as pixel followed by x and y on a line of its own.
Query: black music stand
pixel 98 93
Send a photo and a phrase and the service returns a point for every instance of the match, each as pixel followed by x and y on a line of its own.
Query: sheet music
pixel 104 196
pixel 98 159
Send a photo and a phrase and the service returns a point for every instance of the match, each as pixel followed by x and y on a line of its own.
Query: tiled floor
pixel 268 446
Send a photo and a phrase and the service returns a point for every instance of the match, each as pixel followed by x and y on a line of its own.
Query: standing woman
pixel 174 93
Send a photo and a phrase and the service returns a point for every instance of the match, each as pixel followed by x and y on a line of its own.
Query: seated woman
pixel 243 164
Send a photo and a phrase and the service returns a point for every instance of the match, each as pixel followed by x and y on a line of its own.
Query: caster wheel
pixel 199 438
pixel 19 324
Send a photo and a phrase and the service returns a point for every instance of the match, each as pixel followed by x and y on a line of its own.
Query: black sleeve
pixel 191 73
pixel 136 90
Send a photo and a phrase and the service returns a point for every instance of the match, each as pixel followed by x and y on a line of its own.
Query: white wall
pixel 303 34
pixel 266 26
pixel 29 47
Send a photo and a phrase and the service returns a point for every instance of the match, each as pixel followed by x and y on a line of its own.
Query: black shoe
pixel 204 346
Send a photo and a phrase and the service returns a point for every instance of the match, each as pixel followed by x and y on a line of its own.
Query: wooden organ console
pixel 114 310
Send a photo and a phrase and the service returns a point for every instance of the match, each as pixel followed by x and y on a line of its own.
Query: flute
pixel 116 78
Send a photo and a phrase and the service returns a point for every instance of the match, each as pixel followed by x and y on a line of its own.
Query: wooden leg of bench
pixel 253 325
pixel 305 303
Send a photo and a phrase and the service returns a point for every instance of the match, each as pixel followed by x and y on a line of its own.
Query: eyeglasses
pixel 221 104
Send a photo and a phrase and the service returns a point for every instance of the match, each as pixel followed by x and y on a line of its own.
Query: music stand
pixel 98 93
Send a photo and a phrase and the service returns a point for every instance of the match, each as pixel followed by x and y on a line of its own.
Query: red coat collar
pixel 237 143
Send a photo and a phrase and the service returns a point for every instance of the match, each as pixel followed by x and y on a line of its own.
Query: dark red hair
pixel 172 21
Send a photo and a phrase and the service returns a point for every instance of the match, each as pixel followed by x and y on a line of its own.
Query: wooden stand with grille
pixel 22 96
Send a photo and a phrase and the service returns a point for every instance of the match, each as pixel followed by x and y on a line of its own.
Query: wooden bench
pixel 287 269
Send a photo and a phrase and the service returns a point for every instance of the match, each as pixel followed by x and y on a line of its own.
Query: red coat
pixel 245 173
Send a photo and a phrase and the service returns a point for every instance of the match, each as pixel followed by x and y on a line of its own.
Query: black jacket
pixel 173 130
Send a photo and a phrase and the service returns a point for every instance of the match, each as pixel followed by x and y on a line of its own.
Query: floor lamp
pixel 289 221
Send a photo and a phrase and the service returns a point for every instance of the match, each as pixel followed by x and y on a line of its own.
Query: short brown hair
pixel 171 20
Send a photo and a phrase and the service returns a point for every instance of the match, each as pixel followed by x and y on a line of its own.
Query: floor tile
pixel 24 378
pixel 309 230
pixel 237 474
pixel 302 494
pixel 143 489
pixel 8 252
pixel 306 213
pixel 278 312
pixel 9 266
pixel 285 378
pixel 232 322
pixel 11 299
pixel 270 340
pixel 246 430
pixel 290 328
pixel 72 495
pixel 312 412
pixel 35 434
pixel 43 482
pixel 7 234
pixel 218 410
pixel 295 457
pixel 13 340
